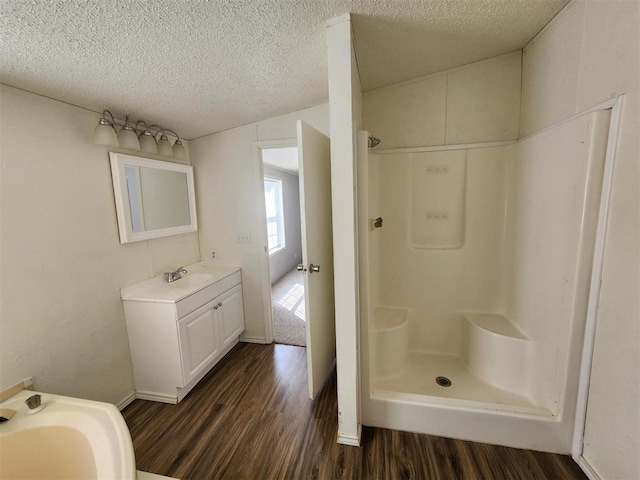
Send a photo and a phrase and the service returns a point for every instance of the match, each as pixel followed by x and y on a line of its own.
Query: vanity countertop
pixel 157 289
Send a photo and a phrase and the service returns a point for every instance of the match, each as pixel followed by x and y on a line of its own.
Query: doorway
pixel 284 243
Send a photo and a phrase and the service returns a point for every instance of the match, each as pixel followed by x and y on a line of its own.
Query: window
pixel 275 214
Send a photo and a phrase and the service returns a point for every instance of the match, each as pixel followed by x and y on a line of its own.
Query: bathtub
pixel 69 438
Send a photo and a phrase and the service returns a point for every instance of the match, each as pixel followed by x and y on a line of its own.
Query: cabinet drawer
pixel 189 304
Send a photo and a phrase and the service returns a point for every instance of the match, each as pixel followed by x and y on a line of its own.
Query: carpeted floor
pixel 287 298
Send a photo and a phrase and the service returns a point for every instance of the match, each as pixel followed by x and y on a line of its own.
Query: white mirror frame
pixel 127 235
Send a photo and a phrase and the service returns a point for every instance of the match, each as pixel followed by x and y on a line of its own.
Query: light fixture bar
pixel 138 137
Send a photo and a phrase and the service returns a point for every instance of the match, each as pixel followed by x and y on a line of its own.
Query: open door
pixel 317 252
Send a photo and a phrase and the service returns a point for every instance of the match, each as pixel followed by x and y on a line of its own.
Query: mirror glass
pixel 153 198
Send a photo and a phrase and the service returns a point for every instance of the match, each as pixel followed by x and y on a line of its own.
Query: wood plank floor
pixel 250 418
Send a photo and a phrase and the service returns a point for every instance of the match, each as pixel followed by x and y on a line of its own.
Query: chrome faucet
pixel 173 276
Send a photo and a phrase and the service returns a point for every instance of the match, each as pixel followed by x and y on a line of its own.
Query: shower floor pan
pixel 417 384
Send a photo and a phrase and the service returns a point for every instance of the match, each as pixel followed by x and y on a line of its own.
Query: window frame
pixel 279 205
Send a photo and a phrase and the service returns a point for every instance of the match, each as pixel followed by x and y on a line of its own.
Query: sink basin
pixel 68 438
pixel 193 281
pixel 158 290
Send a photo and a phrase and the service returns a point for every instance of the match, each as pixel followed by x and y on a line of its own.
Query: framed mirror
pixel 153 198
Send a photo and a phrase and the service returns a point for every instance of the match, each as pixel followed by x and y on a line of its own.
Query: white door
pixel 317 252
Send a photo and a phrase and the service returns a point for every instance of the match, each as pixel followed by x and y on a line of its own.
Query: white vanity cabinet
pixel 179 331
pixel 204 333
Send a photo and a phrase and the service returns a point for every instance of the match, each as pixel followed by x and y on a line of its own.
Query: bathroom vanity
pixel 179 330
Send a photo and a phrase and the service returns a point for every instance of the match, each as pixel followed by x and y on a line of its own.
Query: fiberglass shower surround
pixel 480 275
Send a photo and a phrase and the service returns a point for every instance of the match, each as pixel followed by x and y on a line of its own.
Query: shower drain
pixel 443 381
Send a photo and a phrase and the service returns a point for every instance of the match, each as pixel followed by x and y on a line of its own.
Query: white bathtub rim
pixel 511 430
pixel 416 399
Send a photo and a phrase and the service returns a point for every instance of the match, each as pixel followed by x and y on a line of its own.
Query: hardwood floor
pixel 250 418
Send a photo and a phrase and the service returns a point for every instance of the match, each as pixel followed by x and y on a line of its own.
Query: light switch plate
pixel 243 237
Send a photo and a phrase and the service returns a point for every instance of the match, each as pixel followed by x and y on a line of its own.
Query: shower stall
pixel 474 285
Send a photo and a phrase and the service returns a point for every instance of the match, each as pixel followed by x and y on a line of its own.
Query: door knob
pixel 301 268
pixel 314 268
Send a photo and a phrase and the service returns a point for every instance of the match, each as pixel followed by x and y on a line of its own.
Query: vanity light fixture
pixel 148 142
pixel 178 148
pixel 147 139
pixel 129 138
pixel 105 132
pixel 164 145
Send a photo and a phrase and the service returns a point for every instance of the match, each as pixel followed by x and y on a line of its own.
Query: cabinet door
pixel 199 341
pixel 231 312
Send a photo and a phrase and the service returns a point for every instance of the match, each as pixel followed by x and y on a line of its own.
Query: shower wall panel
pixel 437 200
pixel 434 284
pixel 554 180
pixel 478 102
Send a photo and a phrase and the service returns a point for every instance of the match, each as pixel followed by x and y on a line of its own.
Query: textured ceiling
pixel 204 66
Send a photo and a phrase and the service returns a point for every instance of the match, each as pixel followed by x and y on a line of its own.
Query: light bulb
pixel 104 134
pixel 178 150
pixel 164 146
pixel 128 138
pixel 147 142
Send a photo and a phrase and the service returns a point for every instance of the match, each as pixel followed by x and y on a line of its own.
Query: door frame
pixel 577 447
pixel 265 268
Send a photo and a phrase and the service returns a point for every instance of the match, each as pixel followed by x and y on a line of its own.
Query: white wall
pixel 479 102
pixel 286 259
pixel 63 266
pixel 589 54
pixel 229 188
pixel 346 116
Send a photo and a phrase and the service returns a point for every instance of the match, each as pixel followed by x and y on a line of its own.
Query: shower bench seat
pixel 497 351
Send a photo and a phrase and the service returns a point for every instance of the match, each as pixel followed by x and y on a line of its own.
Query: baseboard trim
pixel 351 440
pixel 180 392
pixel 587 468
pixel 253 340
pixel 26 384
pixel 156 397
pixel 122 404
pixel 152 476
